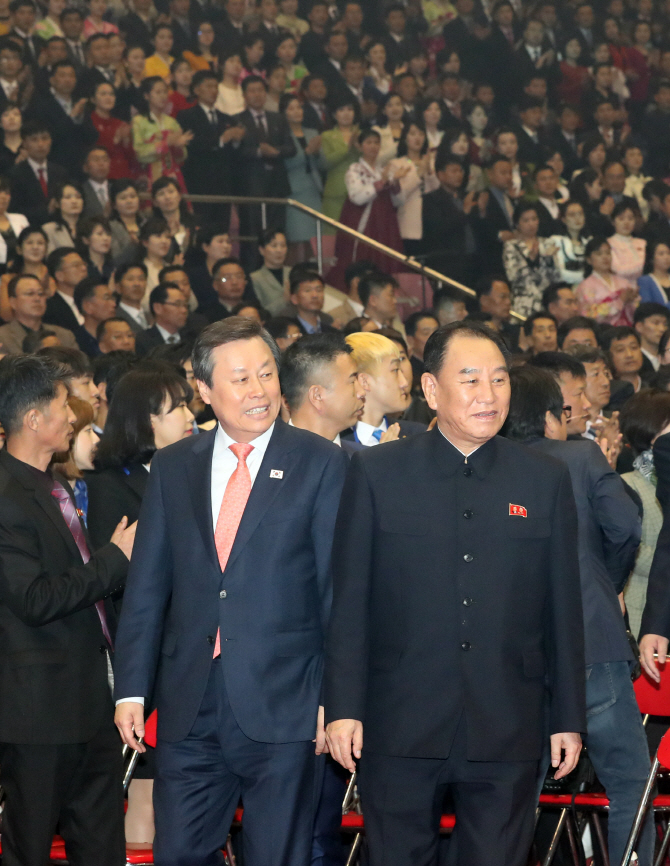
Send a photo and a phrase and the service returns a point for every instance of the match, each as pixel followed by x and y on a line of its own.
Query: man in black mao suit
pixel 456 603
pixel 61 762
pixel 238 683
pixel 209 169
pixel 262 172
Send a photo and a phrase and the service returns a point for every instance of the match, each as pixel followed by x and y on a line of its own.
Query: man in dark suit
pixel 131 283
pixel 99 69
pixel 451 667
pixel 466 33
pixel 496 222
pixel 61 764
pixel 546 184
pixel 64 117
pixel 266 144
pixel 448 234
pixel 316 114
pixel 209 167
pixel 306 297
pixel 231 30
pixel 527 131
pixel 68 269
pixel 24 16
pixel 229 282
pixel 72 25
pixel 239 680
pixel 563 138
pixel 137 24
pixel 36 179
pixel 609 535
pixel 170 311
pixel 386 389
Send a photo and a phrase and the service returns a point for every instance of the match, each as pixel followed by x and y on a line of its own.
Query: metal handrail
pixel 408 261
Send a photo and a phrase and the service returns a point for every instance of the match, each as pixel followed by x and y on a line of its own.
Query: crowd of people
pixel 521 149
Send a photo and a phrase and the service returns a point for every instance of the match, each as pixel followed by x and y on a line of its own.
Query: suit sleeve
pixel 345 682
pixel 661 450
pixel 146 598
pixel 617 516
pixel 105 509
pixel 37 597
pixel 284 144
pixel 565 633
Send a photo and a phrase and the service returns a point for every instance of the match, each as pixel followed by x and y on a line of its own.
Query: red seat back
pixel 150 729
pixel 663 753
pixel 653 698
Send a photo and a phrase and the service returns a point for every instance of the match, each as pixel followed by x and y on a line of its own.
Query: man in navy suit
pixel 227 633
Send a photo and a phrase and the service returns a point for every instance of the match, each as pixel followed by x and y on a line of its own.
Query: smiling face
pixel 34 248
pixel 573 389
pixel 245 393
pixel 471 392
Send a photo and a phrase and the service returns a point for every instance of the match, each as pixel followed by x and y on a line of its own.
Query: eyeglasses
pixel 567 411
pixel 181 304
pixel 231 279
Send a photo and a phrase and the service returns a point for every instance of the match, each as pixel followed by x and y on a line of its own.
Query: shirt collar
pixel 311 329
pixel 451 458
pixel 97 184
pixel 260 444
pixel 364 431
pixel 166 334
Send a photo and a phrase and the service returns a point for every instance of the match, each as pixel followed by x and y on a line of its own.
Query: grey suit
pixel 92 204
pixel 13 335
pixel 135 326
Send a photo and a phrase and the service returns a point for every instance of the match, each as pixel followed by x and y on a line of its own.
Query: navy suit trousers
pixel 201 779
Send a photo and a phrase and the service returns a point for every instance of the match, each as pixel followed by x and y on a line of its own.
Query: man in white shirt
pixel 651 320
pixel 245 515
pixel 11 65
pixel 546 184
pixel 319 381
pixel 131 284
pixel 386 390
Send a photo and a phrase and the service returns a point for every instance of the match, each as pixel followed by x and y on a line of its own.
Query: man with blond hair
pixel 386 389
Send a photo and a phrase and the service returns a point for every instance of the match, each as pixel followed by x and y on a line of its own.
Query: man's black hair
pixel 110 367
pixel 484 284
pixel 303 276
pixel 277 327
pixel 558 363
pixel 85 290
pixel 577 323
pixel 27 382
pixel 620 333
pixel 438 342
pixel 534 393
pixel 412 322
pixel 302 361
pixel 550 294
pixel 372 284
pixel 159 294
pixel 648 309
pixel 538 314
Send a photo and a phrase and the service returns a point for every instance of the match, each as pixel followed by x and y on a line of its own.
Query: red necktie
pixel 69 512
pixel 41 174
pixel 232 509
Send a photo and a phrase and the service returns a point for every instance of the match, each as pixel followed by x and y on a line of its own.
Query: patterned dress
pixel 529 277
pixel 156 157
pixel 601 300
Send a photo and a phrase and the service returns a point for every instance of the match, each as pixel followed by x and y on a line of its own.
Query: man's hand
pixel 129 719
pixel 320 739
pixel 345 742
pixel 391 434
pixel 124 536
pixel 571 744
pixel 650 644
pixel 267 149
pixel 78 108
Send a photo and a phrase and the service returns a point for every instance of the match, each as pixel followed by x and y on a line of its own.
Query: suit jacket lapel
pixel 265 489
pixel 50 506
pixel 200 486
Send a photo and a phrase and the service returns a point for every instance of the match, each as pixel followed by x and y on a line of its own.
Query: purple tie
pixel 69 512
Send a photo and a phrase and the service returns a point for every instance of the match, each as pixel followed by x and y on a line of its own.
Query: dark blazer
pixel 609 535
pixel 148 340
pixel 32 46
pixel 27 195
pixel 273 613
pixel 59 313
pixel 136 329
pixel 407 428
pixel 263 175
pixel 444 233
pixel 89 80
pixel 656 614
pixel 529 151
pixel 113 493
pixel 53 676
pixel 446 603
pixel 137 32
pixel 208 167
pixel 70 139
pixel 487 229
pixel 312 119
pixel 548 224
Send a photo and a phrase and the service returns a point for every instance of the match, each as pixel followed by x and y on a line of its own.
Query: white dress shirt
pixel 101 189
pixel 71 304
pixel 224 463
pixel 167 336
pixel 654 359
pixel 364 432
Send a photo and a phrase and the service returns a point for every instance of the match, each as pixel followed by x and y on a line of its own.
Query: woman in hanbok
pixel 369 209
pixel 604 295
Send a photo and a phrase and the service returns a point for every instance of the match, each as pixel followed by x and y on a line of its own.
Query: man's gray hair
pixel 218 334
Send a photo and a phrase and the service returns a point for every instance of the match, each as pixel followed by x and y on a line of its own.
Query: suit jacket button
pixel 210 639
pixel 467 602
pixel 223 593
pixel 103 649
pixel 467 471
pixel 468 557
pixel 465 645
pixel 468 514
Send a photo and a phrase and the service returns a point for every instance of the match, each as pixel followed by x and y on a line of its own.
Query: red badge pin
pixel 517 511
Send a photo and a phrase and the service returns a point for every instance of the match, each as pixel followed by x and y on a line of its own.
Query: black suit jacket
pixel 137 32
pixel 407 428
pixel 265 175
pixel 53 676
pixel 446 603
pixel 209 165
pixel 548 224
pixel 274 611
pixel 312 119
pixel 113 494
pixel 529 151
pixel 27 195
pixel 609 535
pixel 70 139
pixel 148 340
pixel 444 233
pixel 487 229
pixel 59 313
pixel 656 614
